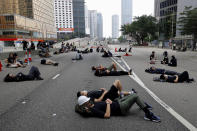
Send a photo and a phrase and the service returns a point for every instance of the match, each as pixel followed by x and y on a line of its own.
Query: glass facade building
pixel 31 20
pixel 126 11
pixel 79 17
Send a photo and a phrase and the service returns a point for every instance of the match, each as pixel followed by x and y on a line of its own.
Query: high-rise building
pixel 115 26
pixel 79 17
pixel 64 17
pixel 93 23
pixel 126 11
pixel 87 25
pixel 99 26
pixel 171 9
pixel 31 20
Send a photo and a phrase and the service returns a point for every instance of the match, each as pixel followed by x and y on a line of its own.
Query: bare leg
pixel 118 85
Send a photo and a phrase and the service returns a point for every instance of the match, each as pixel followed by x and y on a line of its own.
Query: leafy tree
pixel 143 29
pixel 188 22
pixel 167 26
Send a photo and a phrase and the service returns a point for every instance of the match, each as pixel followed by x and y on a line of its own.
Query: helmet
pixel 82 100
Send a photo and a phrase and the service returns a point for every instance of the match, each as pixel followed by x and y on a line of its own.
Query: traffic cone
pixel 0 66
pixel 30 59
pixel 26 59
pixel 127 54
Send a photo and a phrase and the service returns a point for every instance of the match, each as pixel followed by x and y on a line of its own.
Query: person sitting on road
pixel 152 56
pixel 12 61
pixel 173 62
pixel 165 59
pixel 183 77
pixel 34 74
pixel 102 68
pixel 48 62
pixel 102 50
pixel 98 49
pixel 107 54
pixel 78 56
pixel 154 70
pixel 112 73
pixel 108 108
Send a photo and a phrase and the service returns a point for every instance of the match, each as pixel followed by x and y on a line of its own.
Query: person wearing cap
pixel 108 108
pixel 102 94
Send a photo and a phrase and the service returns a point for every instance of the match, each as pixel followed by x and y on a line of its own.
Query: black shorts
pixel 112 94
pixel 43 61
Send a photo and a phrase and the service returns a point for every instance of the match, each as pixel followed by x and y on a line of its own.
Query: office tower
pixel 64 17
pixel 115 26
pixel 99 26
pixel 126 11
pixel 93 23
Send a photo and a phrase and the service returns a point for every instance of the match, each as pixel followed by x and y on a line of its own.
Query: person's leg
pixel 49 62
pixel 127 102
pixel 124 73
pixel 34 71
pixel 184 76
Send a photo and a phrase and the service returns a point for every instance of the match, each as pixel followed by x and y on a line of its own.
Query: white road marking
pixel 186 123
pixel 56 76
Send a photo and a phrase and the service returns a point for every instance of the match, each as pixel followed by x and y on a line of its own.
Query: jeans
pixel 34 72
pixel 127 102
pixel 183 76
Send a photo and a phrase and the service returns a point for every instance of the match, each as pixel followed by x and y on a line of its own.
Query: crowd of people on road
pixel 167 75
pixel 101 103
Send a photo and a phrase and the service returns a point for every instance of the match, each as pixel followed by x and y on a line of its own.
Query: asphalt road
pixel 48 105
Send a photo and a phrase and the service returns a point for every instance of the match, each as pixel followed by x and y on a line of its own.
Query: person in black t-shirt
pixel 108 108
pixel 102 68
pixel 34 73
pixel 176 78
pixel 102 94
pixel 173 62
pixel 112 73
pixel 154 70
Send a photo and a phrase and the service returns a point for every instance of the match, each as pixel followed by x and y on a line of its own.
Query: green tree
pixel 188 22
pixel 143 29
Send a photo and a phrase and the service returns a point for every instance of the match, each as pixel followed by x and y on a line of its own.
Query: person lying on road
pixel 48 62
pixel 34 74
pixel 114 93
pixel 102 68
pixel 183 77
pixel 108 108
pixel 154 70
pixel 112 73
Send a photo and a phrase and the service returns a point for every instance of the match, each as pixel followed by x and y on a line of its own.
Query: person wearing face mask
pixel 114 93
pixel 106 109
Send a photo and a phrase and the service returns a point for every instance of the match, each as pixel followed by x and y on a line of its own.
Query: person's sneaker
pixel 130 72
pixel 152 117
pixel 148 106
pixel 133 91
pixel 56 64
pixel 121 95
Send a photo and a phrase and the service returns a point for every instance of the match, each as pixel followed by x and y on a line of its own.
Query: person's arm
pixel 108 109
pixel 176 80
pixel 101 97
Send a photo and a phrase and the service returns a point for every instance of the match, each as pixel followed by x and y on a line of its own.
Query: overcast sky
pixel 111 7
